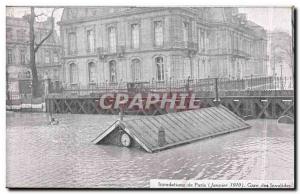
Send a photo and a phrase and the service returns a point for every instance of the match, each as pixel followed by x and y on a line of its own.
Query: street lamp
pixel 281 76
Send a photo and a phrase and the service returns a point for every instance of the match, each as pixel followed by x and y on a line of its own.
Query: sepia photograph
pixel 150 97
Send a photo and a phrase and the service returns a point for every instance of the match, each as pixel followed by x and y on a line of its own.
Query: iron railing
pixel 225 86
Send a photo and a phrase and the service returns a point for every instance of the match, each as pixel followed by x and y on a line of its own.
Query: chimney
pixel 161 137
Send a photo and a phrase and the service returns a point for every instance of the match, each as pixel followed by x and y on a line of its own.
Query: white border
pixel 3 3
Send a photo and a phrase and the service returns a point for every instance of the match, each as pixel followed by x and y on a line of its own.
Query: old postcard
pixel 150 97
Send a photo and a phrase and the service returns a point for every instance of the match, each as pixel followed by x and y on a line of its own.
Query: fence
pixel 22 92
pixel 196 85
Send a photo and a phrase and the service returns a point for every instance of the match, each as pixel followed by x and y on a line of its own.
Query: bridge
pixel 266 97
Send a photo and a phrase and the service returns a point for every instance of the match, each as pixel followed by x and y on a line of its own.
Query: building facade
pixel 115 44
pixel 18 57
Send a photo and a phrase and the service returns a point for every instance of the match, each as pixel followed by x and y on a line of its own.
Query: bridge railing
pixel 225 86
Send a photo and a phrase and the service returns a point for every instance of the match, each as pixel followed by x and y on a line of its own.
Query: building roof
pixel 209 15
pixel 180 128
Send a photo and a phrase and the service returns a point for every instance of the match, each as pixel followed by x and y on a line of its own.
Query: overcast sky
pixel 270 18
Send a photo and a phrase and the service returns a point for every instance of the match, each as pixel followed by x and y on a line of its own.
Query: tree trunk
pixel 35 81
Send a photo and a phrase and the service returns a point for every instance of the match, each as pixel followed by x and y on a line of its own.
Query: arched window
pixel 136 69
pixel 92 72
pixel 27 74
pixel 113 71
pixel 159 62
pixel 73 73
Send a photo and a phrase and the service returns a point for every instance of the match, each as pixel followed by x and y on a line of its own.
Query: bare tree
pixel 34 47
pixel 282 48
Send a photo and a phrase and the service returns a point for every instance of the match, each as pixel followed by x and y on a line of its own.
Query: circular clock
pixel 125 140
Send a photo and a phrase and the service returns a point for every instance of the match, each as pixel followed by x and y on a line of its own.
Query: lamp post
pixel 281 81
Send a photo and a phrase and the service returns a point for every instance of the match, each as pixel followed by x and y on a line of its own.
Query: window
pixel 47 56
pixel 9 34
pixel 22 56
pixel 113 71
pixel 92 72
pixel 9 56
pixel 202 68
pixel 72 43
pixel 20 35
pixel 218 46
pixel 159 62
pixel 136 69
pixel 187 68
pixel 199 69
pixel 244 46
pixel 205 69
pixel 201 40
pixel 236 42
pixel 73 73
pixel 158 33
pixel 112 39
pixel 55 74
pixel 27 74
pixel 185 32
pixel 55 56
pixel 177 67
pixel 90 41
pixel 135 36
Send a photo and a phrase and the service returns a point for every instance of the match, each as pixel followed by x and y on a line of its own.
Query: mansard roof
pixel 210 15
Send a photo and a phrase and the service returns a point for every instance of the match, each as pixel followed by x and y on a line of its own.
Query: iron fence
pixel 225 86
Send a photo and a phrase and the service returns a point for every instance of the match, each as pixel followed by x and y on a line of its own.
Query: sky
pixel 271 18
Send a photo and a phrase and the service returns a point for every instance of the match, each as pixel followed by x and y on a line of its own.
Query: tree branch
pixel 48 35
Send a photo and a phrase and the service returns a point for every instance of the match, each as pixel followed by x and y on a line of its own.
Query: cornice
pixel 114 15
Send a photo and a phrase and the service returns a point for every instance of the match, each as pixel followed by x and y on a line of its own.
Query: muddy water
pixel 40 155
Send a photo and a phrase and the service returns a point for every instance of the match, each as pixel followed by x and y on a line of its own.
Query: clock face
pixel 125 140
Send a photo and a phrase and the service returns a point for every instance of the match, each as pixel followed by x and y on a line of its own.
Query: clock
pixel 125 140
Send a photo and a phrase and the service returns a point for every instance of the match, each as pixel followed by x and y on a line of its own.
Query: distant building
pixel 281 54
pixel 116 44
pixel 17 49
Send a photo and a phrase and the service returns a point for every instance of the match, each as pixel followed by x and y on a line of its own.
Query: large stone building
pixel 17 49
pixel 114 44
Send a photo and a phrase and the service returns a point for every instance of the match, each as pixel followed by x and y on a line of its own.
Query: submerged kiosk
pixel 155 133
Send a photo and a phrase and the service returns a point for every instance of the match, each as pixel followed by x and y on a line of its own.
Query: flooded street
pixel 41 155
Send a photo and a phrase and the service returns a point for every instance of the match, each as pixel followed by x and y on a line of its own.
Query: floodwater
pixel 41 155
